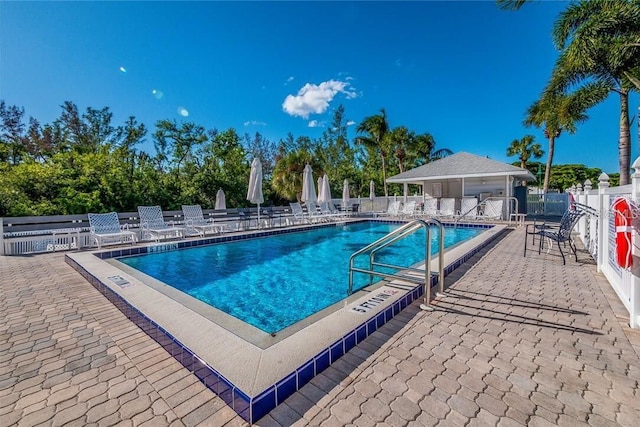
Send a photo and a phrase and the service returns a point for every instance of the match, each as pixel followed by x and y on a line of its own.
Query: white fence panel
pixel 599 237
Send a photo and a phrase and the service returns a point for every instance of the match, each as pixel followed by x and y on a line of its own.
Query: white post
pixel 1 236
pixel 634 296
pixel 603 184
pixel 587 191
pixel 585 201
pixel 406 191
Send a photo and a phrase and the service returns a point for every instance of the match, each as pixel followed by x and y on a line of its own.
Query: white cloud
pixel 351 123
pixel 316 124
pixel 289 80
pixel 315 99
pixel 254 123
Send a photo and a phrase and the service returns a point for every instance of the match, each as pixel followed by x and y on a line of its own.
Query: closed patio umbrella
pixel 320 183
pixel 345 193
pixel 254 194
pixel 308 186
pixel 221 202
pixel 372 192
pixel 324 196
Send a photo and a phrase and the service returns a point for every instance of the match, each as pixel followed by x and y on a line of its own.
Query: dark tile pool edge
pixel 175 245
pixel 251 409
pixel 183 244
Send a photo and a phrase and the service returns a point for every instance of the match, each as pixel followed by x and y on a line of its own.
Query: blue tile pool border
pixel 175 245
pixel 251 409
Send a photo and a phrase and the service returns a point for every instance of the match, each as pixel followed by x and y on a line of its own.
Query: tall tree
pixel 336 156
pixel 88 131
pixel 262 148
pixel 425 150
pixel 376 129
pixel 12 129
pixel 525 148
pixel 402 143
pixel 176 146
pixel 558 112
pixel 287 175
pixel 599 43
pixel 225 167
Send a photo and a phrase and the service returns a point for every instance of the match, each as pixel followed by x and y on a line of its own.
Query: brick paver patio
pixel 514 341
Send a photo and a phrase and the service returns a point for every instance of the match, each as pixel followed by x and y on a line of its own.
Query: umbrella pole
pixel 258 215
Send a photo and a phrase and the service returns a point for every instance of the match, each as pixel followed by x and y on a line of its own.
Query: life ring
pixel 622 212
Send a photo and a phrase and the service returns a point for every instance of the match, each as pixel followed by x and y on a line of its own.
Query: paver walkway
pixel 515 341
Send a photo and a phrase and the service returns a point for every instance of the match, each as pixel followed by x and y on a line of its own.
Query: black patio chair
pixel 559 234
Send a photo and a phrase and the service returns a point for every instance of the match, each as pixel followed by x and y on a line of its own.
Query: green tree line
pixel 83 162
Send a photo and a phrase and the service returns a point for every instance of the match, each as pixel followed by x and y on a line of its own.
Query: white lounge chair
pixel 492 210
pixel 152 224
pixel 314 212
pixel 330 212
pixel 393 209
pixel 408 209
pixel 105 227
pixel 430 207
pixel 447 207
pixel 297 214
pixel 194 221
pixel 468 208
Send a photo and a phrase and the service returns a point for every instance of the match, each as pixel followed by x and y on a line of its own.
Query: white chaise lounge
pixel 106 228
pixel 194 221
pixel 152 224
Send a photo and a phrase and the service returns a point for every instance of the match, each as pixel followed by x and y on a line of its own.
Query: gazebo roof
pixel 461 165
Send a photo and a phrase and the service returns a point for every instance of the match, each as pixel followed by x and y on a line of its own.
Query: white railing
pixel 598 234
pixel 39 234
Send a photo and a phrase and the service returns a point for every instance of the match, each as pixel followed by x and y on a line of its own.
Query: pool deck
pixel 514 341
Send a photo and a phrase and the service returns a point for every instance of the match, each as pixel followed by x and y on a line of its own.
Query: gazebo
pixel 464 175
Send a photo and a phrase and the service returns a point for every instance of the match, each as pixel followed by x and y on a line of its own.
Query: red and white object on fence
pixel 622 211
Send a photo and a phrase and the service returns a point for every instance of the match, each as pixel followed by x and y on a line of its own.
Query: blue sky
pixel 463 71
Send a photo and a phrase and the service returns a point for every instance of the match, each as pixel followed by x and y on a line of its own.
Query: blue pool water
pixel 274 282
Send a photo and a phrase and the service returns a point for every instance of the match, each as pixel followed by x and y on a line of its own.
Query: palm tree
pixel 511 4
pixel 599 42
pixel 634 79
pixel 558 112
pixel 401 141
pixel 525 148
pixel 287 173
pixel 425 149
pixel 376 129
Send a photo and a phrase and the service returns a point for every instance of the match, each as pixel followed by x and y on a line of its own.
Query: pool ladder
pixel 425 274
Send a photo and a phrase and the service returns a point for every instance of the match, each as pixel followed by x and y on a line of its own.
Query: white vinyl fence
pixel 598 234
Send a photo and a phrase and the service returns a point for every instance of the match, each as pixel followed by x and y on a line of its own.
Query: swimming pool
pixel 253 371
pixel 272 283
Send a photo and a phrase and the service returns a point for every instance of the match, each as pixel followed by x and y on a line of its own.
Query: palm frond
pixel 510 4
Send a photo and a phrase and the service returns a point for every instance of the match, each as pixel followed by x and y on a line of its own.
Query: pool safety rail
pixel 404 272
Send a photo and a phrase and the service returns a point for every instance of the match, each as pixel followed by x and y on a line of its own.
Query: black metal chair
pixel 559 234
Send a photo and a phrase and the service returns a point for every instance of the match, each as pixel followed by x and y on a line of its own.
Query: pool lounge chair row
pixel 106 228
pixel 326 212
pixel 444 208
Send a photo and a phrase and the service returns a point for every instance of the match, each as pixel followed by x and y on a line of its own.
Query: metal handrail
pixel 393 237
